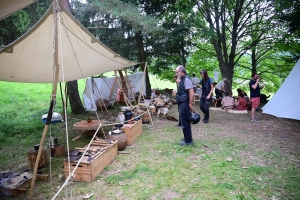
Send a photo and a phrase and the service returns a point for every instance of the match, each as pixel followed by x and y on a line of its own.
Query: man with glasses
pixel 185 99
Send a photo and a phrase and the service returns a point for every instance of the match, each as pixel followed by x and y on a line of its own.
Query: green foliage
pixel 18 23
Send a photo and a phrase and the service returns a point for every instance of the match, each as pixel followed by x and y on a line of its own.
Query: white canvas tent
pixel 101 88
pixel 38 57
pixel 30 58
pixel 285 103
pixel 9 7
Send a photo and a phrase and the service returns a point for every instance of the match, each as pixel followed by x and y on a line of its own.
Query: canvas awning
pixel 9 7
pixel 30 58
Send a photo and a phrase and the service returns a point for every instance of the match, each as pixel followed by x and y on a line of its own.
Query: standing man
pixel 254 95
pixel 207 89
pixel 177 83
pixel 220 88
pixel 184 99
pixel 195 81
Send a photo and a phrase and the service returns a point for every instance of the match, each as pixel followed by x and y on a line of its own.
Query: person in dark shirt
pixel 185 99
pixel 207 86
pixel 254 95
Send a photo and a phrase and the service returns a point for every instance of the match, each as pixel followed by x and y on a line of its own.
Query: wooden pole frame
pixel 54 91
pixel 141 92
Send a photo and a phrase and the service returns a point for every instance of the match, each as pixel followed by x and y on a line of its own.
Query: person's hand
pixel 191 108
pixel 257 80
pixel 208 97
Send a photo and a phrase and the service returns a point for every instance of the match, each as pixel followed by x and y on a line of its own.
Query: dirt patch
pixel 270 133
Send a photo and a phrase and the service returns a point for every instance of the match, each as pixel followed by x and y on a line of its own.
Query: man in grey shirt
pixel 185 99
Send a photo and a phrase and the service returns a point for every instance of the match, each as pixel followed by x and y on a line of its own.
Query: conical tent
pixel 30 58
pixel 285 102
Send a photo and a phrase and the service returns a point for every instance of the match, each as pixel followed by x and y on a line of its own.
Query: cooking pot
pixel 128 115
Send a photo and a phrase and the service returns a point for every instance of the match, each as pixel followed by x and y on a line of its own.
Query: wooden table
pixel 87 127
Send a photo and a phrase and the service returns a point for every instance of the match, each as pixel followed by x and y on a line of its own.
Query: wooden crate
pixel 88 171
pixel 133 132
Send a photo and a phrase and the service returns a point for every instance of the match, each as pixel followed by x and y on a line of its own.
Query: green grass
pixel 156 166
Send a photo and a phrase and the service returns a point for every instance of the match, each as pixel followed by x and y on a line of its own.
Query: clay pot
pixel 55 140
pixel 128 115
pixel 121 138
pixel 121 117
pixel 36 147
pixel 89 120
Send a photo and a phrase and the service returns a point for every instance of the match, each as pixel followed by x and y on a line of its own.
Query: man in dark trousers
pixel 184 99
pixel 207 89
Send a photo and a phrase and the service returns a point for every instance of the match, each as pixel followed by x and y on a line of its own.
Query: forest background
pixel 235 38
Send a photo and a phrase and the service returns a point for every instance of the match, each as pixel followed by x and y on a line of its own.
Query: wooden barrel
pixel 32 155
pixel 146 117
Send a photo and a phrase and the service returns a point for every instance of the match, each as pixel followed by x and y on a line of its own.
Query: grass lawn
pixel 232 158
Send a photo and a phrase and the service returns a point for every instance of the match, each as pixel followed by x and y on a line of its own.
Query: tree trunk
pixel 75 101
pixel 74 98
pixel 142 59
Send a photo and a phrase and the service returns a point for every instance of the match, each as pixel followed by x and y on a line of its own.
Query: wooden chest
pixel 133 132
pixel 88 171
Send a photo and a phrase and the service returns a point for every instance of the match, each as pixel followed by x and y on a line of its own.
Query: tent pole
pixel 54 91
pixel 142 94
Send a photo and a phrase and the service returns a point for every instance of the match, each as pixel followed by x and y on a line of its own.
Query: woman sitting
pixel 241 102
pixel 227 102
pixel 242 92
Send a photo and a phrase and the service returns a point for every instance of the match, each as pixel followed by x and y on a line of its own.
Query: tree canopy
pixel 234 37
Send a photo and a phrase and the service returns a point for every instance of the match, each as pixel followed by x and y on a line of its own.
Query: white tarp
pixel 97 88
pixel 9 7
pixel 30 58
pixel 285 103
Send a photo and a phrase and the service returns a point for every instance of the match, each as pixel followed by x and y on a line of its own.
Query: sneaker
pixel 178 125
pixel 205 121
pixel 183 143
pixel 254 120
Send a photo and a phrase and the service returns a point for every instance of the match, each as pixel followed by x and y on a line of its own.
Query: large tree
pixel 72 86
pixel 121 27
pixel 236 28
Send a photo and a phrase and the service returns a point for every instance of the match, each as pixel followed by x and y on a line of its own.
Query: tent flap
pixel 30 58
pixel 285 103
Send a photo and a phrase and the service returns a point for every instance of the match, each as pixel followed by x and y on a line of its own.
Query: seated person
pixel 153 94
pixel 241 103
pixel 242 92
pixel 228 102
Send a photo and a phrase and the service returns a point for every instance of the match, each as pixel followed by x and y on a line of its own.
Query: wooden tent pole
pixel 141 92
pixel 112 90
pixel 54 91
pixel 93 82
pixel 142 87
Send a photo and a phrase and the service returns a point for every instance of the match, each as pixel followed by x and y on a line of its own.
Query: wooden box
pixel 133 132
pixel 88 171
